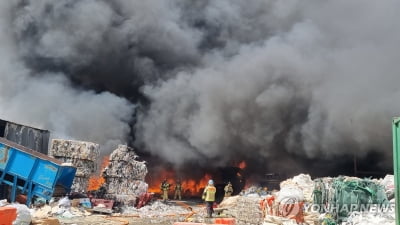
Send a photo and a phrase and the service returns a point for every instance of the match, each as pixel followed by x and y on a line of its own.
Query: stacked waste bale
pixel 302 182
pixel 83 155
pixel 124 176
pixel 246 209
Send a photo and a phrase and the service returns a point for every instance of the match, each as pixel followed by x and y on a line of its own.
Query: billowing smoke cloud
pixel 47 99
pixel 216 81
pixel 306 80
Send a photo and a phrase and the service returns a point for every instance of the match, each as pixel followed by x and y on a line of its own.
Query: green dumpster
pixel 396 165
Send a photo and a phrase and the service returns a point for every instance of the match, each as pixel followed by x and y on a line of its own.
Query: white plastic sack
pixel 290 192
pixel 3 202
pixel 23 214
pixel 68 214
pixel 388 184
pixel 64 202
pixel 303 180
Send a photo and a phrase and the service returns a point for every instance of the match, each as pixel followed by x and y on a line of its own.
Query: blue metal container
pixel 32 173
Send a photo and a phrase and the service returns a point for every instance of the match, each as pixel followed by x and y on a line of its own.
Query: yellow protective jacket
pixel 209 193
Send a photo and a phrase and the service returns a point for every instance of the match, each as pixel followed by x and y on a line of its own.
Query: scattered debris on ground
pixel 123 197
pixel 299 201
pixel 329 201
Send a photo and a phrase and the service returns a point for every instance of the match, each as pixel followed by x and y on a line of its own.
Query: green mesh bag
pixel 346 196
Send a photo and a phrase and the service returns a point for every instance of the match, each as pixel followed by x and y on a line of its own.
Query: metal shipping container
pixel 30 137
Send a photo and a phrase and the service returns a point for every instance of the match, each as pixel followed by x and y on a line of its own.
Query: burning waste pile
pixel 82 155
pixel 124 176
pixel 123 183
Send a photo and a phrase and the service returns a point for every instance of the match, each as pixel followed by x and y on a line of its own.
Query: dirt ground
pixel 115 219
pixel 106 220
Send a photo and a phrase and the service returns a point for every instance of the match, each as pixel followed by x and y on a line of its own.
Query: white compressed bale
pixel 124 175
pixel 125 187
pixel 246 209
pixel 81 154
pixel 301 182
pixel 84 168
pixel 80 184
pixel 290 192
pixel 126 169
pixel 75 149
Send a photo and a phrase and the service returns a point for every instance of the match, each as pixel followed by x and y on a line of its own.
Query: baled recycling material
pixel 83 155
pixel 339 200
pixel 345 194
pixel 124 176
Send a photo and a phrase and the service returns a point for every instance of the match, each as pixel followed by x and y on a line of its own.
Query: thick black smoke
pixel 285 84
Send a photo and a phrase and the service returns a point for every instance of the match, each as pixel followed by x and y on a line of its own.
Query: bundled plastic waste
pixel 348 194
pixel 302 182
pixel 388 184
pixel 74 149
pixel 82 155
pixel 288 203
pixel 330 201
pixel 245 209
pixel 23 214
pixel 124 176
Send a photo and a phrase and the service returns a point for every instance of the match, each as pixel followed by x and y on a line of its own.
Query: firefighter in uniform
pixel 228 189
pixel 178 190
pixel 209 197
pixel 165 188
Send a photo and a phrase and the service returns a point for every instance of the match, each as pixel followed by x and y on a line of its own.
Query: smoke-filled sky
pixel 203 81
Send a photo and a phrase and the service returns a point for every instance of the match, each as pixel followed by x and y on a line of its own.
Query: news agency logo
pixel 289 207
pixel 348 208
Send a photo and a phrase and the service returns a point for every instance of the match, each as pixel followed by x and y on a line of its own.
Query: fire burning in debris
pixel 96 181
pixel 190 187
pixel 193 187
pixel 155 181
pixel 242 165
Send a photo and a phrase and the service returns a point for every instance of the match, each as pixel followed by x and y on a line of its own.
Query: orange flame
pixel 96 181
pixel 155 182
pixel 194 187
pixel 242 165
pixel 190 187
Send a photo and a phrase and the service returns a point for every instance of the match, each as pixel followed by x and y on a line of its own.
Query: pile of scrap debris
pixel 124 176
pixel 339 200
pixel 43 182
pixel 322 201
